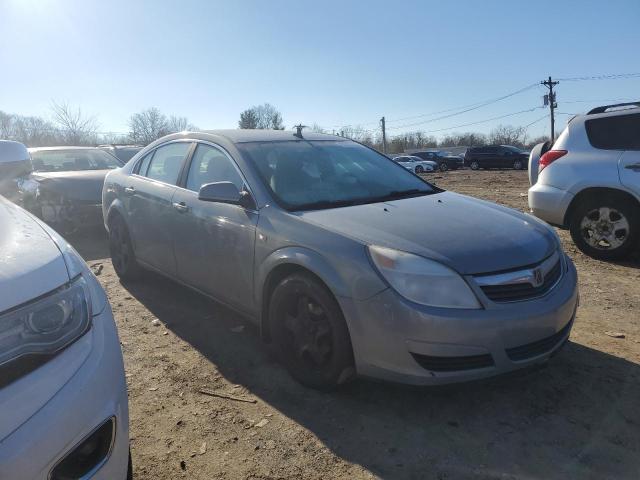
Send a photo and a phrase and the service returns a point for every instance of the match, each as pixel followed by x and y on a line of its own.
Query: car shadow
pixel 577 418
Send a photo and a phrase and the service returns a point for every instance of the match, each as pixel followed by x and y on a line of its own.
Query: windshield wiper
pixel 398 194
pixel 322 204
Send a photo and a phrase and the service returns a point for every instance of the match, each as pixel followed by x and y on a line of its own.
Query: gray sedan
pixel 348 263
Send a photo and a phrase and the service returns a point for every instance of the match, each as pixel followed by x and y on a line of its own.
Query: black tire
pixel 606 228
pixel 310 333
pixel 419 169
pixel 130 468
pixel 444 167
pixel 474 165
pixel 517 165
pixel 122 255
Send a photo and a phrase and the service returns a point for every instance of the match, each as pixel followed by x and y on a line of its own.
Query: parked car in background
pixel 124 153
pixel 15 164
pixel 416 164
pixel 496 156
pixel 315 239
pixel 65 187
pixel 62 386
pixel 444 160
pixel 589 181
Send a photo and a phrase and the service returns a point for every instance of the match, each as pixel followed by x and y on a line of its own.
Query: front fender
pixel 305 258
pixel 108 209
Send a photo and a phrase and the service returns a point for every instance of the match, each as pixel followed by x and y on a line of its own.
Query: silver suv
pixel 589 181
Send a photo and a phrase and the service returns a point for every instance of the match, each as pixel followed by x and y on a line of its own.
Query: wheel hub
pixel 310 332
pixel 605 228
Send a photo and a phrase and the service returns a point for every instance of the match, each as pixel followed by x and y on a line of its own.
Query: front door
pixel 630 170
pixel 214 242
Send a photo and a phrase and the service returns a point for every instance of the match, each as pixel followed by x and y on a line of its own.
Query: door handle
pixel 181 207
pixel 129 190
pixel 633 166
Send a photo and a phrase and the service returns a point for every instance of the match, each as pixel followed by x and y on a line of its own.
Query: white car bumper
pixel 95 393
pixel 549 203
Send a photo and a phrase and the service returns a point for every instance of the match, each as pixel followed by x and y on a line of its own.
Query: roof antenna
pixel 299 130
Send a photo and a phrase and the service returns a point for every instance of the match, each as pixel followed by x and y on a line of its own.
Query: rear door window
pixel 167 161
pixel 621 132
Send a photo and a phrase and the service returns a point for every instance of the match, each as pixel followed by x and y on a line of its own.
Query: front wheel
pixel 419 169
pixel 517 165
pixel 474 165
pixel 444 167
pixel 310 333
pixel 607 228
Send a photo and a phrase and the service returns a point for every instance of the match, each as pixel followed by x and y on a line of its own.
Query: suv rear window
pixel 621 132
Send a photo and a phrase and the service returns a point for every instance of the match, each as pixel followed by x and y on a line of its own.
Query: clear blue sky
pixel 332 62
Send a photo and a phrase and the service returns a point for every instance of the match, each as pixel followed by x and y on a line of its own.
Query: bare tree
pixel 264 117
pixel 507 135
pixel 180 124
pixel 315 128
pixel 147 126
pixel 74 127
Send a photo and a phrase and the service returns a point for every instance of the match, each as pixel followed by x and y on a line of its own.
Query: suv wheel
pixel 606 228
pixel 122 256
pixel 444 167
pixel 419 169
pixel 475 165
pixel 310 333
pixel 517 165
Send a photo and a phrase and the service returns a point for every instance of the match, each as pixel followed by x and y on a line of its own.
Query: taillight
pixel 550 157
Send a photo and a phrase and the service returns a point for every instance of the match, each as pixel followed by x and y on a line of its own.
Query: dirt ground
pixel 577 418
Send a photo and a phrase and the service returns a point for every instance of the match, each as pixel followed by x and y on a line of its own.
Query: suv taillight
pixel 550 157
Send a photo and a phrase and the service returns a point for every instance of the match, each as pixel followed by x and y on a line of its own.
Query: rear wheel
pixel 606 228
pixel 419 169
pixel 474 165
pixel 444 167
pixel 310 333
pixel 517 165
pixel 122 255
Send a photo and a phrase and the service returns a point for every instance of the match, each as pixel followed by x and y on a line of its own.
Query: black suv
pixel 496 156
pixel 445 160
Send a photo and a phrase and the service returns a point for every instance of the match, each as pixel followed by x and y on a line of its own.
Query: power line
pixel 617 76
pixel 479 122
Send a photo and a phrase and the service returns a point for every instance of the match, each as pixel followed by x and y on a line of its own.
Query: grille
pixel 539 347
pixel 511 292
pixel 452 364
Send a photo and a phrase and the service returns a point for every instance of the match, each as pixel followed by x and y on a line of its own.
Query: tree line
pixel 71 126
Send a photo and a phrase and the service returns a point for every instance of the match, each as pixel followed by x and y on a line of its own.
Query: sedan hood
pixel 469 235
pixel 30 263
pixel 84 185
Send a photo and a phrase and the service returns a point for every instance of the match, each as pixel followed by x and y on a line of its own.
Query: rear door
pixel 214 242
pixel 150 193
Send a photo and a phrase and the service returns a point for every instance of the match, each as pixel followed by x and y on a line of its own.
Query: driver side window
pixel 210 165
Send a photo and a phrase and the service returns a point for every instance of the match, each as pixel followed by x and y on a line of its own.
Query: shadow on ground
pixel 577 418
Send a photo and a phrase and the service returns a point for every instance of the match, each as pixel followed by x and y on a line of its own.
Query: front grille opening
pixel 453 364
pixel 88 456
pixel 539 347
pixel 523 291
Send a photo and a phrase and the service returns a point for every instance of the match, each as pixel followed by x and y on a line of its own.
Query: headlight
pixel 47 325
pixel 423 281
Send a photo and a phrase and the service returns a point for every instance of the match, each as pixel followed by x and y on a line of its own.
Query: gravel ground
pixel 576 418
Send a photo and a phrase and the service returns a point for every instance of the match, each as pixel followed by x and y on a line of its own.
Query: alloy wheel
pixel 605 228
pixel 309 331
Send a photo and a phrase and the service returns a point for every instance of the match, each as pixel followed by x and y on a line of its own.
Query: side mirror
pixel 225 192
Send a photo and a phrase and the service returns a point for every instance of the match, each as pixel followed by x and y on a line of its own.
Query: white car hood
pixel 30 262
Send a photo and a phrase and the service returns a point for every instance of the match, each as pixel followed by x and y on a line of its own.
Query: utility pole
pixel 552 104
pixel 384 136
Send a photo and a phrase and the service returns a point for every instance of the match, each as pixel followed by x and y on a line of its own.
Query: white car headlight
pixel 46 325
pixel 423 281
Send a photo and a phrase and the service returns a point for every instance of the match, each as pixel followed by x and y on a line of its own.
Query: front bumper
pixel 95 393
pixel 392 337
pixel 549 203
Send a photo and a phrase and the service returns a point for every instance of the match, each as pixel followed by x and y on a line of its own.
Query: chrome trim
pixel 527 275
pixel 101 463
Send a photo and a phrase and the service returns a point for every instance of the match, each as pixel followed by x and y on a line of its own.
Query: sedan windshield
pixel 306 175
pixel 73 160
